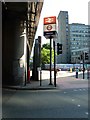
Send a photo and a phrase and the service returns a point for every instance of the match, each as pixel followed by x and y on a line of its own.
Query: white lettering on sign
pixel 49 20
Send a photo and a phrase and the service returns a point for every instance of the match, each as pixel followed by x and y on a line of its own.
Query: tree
pixel 46 46
pixel 45 54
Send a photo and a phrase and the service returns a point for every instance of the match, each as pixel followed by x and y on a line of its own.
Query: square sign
pixel 50 26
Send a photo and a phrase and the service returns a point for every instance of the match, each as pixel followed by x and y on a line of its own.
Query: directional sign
pixel 49 33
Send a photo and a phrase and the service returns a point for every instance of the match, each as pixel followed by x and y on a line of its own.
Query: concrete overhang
pixel 26 11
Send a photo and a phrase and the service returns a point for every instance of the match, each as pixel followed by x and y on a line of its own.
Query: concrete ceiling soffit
pixel 34 10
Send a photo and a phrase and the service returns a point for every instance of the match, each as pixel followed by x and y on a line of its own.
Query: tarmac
pixel 44 83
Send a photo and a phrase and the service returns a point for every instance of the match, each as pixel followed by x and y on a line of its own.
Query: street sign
pixel 49 27
pixel 50 20
pixel 48 34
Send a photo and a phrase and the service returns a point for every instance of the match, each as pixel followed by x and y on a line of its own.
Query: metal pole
pixel 50 61
pixel 25 78
pixel 40 77
pixel 54 64
pixel 39 40
pixel 83 65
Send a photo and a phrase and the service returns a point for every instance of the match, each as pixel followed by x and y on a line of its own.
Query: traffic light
pixel 78 58
pixel 86 56
pixel 59 48
pixel 81 57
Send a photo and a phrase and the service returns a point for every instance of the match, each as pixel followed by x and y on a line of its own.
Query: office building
pixel 75 39
pixel 79 41
pixel 63 37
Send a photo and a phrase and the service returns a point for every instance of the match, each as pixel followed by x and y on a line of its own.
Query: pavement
pixel 61 77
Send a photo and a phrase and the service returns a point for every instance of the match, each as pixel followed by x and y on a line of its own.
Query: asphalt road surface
pixel 57 103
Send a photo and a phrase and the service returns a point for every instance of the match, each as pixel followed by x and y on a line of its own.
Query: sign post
pixel 50 61
pixel 49 33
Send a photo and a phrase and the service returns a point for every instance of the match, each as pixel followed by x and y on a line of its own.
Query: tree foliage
pixel 45 54
pixel 46 46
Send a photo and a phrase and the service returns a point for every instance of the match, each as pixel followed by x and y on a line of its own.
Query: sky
pixel 77 11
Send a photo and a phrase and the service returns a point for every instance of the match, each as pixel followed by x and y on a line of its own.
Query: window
pixel 67 21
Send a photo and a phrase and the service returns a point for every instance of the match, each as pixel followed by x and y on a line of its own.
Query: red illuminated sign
pixel 50 20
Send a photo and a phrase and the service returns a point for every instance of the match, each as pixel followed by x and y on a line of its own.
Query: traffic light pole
pixel 83 65
pixel 50 61
pixel 39 41
pixel 54 64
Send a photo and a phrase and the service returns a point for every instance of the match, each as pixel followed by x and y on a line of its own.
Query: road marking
pixel 73 99
pixel 80 89
pixel 78 105
pixel 65 92
pixel 86 113
pixel 75 90
pixel 84 89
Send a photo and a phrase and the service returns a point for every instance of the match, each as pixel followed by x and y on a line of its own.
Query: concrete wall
pixel 14 64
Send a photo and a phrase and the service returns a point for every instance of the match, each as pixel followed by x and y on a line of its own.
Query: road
pixel 64 102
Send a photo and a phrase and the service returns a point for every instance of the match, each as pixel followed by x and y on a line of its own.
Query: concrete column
pixel 14 53
pixel 20 56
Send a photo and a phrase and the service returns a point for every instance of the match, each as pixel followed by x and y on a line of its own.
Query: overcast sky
pixel 77 11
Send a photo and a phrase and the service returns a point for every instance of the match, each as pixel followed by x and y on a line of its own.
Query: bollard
pixel 40 77
pixel 77 73
pixel 28 77
pixel 88 74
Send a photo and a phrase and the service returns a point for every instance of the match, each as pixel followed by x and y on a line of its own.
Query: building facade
pixel 19 23
pixel 79 41
pixel 63 37
pixel 75 40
